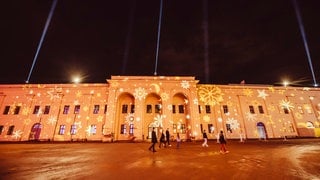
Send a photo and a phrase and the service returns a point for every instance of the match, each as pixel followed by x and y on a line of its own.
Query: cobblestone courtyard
pixel 276 159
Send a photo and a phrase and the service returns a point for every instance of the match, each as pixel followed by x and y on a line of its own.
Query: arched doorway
pixel 153 116
pixel 181 115
pixel 35 132
pixel 261 129
pixel 125 117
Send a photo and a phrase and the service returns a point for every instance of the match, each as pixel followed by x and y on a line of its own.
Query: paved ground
pixel 276 159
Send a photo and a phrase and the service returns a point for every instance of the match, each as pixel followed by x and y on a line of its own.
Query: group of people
pixel 221 140
pixel 165 140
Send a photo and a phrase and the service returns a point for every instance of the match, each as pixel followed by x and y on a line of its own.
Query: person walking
pixel 205 139
pixel 168 137
pixel 153 141
pixel 178 141
pixel 162 140
pixel 223 143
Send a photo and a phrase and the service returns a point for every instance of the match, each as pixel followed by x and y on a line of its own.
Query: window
pixel 123 129
pixel 131 129
pixel 210 128
pixel 93 129
pixel 73 129
pixel 132 108
pixel 36 110
pixel 182 128
pixel 179 128
pixel 261 111
pixel 157 108
pixel 173 109
pixel 96 109
pixel 225 109
pixel 208 109
pixel 17 109
pixel 10 130
pixel 46 110
pixel 229 128
pixel 66 109
pixel 199 109
pixel 124 108
pixel 105 109
pixel 1 129
pixel 174 127
pixel 181 109
pixel 149 108
pixel 251 108
pixel 62 129
pixel 76 109
pixel 6 110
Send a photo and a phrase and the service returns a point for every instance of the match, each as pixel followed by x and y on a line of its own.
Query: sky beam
pixel 53 6
pixel 304 38
pixel 158 39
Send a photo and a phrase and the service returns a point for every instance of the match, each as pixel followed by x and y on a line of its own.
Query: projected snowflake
pixel 130 118
pixel 158 120
pixel 140 93
pixel 17 134
pixel 262 94
pixel 210 95
pixel 164 96
pixel 234 124
pixel 100 118
pixel 206 118
pixel 185 85
pixel 248 92
pixel 250 116
pixel 52 120
pixel 286 105
pixel 195 101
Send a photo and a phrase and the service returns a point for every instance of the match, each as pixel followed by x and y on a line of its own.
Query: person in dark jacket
pixel 153 141
pixel 223 143
pixel 168 137
pixel 205 139
pixel 162 140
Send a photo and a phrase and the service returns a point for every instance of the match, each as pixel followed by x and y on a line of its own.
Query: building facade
pixel 129 107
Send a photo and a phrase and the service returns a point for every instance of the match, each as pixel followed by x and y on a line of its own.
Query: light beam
pixel 53 6
pixel 304 38
pixel 158 39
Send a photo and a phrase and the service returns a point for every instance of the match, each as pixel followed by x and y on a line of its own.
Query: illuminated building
pixel 128 107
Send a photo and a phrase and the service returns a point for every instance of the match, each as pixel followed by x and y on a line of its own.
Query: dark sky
pixel 258 41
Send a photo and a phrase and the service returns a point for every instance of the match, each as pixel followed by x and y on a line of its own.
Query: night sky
pixel 258 41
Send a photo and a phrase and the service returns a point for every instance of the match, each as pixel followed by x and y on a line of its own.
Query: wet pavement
pixel 253 159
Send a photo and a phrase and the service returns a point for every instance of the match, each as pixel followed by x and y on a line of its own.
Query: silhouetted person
pixel 153 141
pixel 223 143
pixel 168 137
pixel 162 140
